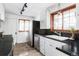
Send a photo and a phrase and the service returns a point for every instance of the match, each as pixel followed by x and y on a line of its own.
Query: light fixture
pixel 59 12
pixel 23 8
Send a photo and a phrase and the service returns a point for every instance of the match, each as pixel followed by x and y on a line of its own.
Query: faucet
pixel 58 33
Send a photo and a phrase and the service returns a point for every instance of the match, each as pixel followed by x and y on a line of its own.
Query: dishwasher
pixel 37 42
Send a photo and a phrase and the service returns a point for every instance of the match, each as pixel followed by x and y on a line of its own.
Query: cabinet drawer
pixel 54 43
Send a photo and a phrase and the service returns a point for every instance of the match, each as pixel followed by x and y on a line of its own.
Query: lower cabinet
pixel 48 47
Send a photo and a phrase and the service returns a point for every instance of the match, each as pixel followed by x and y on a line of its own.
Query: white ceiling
pixel 33 9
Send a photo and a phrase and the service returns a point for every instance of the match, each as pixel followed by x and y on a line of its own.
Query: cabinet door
pixel 48 51
pixel 42 45
pixel 50 48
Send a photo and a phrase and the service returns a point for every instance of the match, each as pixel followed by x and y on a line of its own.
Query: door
pixel 23 30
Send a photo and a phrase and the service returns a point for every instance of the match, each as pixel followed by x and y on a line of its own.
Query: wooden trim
pixel 54 13
pixel 51 23
pixel 23 31
pixel 69 7
pixel 24 19
pixel 64 9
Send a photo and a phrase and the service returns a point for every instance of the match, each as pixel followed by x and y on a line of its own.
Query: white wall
pixel 77 16
pixel 43 19
pixel 10 26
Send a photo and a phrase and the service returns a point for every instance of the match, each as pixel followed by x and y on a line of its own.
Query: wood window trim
pixel 24 19
pixel 22 31
pixel 51 23
pixel 52 18
pixel 64 9
pixel 24 25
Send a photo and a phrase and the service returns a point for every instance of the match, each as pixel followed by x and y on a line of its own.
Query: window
pixel 24 25
pixel 69 19
pixel 58 21
pixel 65 19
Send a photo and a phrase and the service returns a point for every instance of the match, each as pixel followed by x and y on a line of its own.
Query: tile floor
pixel 25 50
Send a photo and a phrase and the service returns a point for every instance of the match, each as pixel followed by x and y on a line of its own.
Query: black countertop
pixel 71 49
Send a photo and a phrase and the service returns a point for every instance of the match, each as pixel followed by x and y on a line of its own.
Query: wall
pixel 10 26
pixel 43 19
pixel 77 15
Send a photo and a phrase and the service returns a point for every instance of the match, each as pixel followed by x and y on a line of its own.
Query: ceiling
pixel 33 9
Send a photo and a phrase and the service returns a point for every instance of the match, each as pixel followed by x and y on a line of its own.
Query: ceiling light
pixel 25 4
pixel 23 8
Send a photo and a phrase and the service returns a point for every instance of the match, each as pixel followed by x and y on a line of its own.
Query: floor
pixel 23 49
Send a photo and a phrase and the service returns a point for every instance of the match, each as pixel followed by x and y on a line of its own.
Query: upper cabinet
pixel 2 12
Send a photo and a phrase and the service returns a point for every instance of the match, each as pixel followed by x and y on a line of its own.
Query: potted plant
pixel 72 30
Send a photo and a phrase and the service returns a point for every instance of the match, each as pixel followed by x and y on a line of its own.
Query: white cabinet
pixel 50 48
pixel 2 12
pixel 42 45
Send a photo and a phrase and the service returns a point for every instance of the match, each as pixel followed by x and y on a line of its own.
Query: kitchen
pixel 50 29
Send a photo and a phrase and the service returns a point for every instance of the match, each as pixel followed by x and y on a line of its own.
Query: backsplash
pixel 45 32
pixel 65 34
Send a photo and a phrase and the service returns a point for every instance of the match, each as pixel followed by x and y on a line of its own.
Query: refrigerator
pixel 34 29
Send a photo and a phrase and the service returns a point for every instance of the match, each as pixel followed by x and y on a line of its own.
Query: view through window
pixel 24 25
pixel 65 20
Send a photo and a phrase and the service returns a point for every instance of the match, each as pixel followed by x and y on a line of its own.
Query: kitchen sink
pixel 57 37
